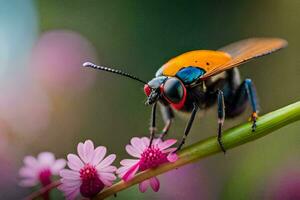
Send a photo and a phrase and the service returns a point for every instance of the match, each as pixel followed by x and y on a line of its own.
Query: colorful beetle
pixel 199 79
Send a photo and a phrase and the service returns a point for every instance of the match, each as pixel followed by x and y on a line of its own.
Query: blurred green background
pixel 50 103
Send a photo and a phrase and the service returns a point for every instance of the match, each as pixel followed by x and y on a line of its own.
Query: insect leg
pixel 235 102
pixel 167 115
pixel 221 117
pixel 165 129
pixel 253 101
pixel 152 128
pixel 188 127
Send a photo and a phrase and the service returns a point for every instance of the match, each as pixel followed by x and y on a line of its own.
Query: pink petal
pixel 46 158
pixel 108 176
pixel 156 142
pixel 68 184
pixel 58 165
pixel 88 150
pixel 138 144
pixel 143 146
pixel 68 188
pixel 30 161
pixel 106 162
pixel 172 157
pixel 74 162
pixel 106 182
pixel 169 150
pixel 144 185
pixel 129 162
pixel 132 151
pixel 131 172
pixel 109 169
pixel 166 144
pixel 122 170
pixel 28 182
pixel 27 172
pixel 146 141
pixel 69 174
pixel 72 195
pixel 69 192
pixel 99 154
pixel 154 183
pixel 80 151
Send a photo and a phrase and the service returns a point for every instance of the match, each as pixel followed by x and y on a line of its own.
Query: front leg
pixel 152 128
pixel 188 127
pixel 166 129
pixel 167 115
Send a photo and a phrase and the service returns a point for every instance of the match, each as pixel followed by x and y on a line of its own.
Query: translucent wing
pixel 246 50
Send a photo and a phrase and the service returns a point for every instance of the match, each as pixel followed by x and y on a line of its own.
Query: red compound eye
pixel 147 90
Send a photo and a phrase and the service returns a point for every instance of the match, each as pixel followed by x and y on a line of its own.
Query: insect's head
pixel 168 89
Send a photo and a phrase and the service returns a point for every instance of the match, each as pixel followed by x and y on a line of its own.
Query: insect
pixel 198 79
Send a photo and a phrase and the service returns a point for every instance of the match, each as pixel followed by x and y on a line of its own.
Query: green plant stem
pixel 231 138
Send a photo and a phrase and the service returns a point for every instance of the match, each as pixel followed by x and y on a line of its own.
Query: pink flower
pixel 89 173
pixel 40 170
pixel 148 157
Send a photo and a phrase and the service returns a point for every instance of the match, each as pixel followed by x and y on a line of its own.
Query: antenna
pixel 115 71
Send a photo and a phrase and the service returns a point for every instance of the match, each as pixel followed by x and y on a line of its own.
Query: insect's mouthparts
pixel 152 98
pixel 149 101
